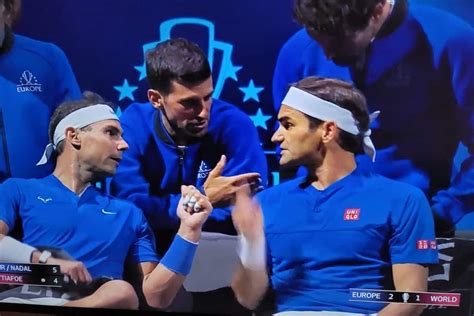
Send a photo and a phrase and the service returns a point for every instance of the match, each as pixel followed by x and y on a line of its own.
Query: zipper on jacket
pixel 181 151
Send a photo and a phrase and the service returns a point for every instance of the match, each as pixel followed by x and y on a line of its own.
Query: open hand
pixel 221 190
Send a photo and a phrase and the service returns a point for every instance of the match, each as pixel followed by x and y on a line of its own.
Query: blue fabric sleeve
pixel 66 83
pixel 10 198
pixel 413 239
pixel 180 255
pixel 144 248
pixel 287 70
pixel 457 200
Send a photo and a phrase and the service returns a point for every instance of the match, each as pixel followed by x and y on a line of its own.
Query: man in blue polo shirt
pixel 183 136
pixel 412 63
pixel 64 210
pixel 35 77
pixel 338 228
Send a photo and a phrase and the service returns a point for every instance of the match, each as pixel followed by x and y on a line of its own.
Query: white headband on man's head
pixel 77 119
pixel 327 111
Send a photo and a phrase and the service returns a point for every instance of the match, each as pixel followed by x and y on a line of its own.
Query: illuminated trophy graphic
pixel 227 69
pixel 405 297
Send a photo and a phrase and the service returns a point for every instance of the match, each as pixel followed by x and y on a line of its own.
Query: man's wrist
pixel 35 255
pixel 190 234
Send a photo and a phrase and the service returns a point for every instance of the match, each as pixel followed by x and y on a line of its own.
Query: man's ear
pixel 330 131
pixel 156 98
pixel 378 10
pixel 73 137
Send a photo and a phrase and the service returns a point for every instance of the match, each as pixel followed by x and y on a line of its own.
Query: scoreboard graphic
pixel 421 298
pixel 31 274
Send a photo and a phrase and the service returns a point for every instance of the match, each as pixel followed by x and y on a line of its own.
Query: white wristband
pixel 252 254
pixel 13 251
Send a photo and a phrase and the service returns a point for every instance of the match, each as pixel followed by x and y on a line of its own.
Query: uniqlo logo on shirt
pixel 352 214
pixel 424 244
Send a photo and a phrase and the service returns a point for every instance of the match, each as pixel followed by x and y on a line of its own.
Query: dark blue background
pixel 103 40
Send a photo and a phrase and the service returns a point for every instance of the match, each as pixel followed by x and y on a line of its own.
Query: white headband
pixel 327 111
pixel 77 119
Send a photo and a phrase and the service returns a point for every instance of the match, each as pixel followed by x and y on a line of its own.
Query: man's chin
pixel 285 164
pixel 198 133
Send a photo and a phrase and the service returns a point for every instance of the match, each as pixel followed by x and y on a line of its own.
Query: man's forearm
pixel 163 283
pixel 249 286
pixel 398 309
pixel 161 286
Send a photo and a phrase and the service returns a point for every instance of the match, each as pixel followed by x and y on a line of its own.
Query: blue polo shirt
pixel 321 243
pixel 95 228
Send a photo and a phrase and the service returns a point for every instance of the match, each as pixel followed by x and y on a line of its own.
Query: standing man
pixel 183 136
pixel 64 210
pixel 415 65
pixel 337 228
pixel 35 77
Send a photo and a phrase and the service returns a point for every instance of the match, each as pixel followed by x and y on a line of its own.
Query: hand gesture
pixel 247 215
pixel 74 269
pixel 221 190
pixel 193 207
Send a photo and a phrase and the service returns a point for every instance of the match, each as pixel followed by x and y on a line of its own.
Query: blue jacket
pixel 154 168
pixel 35 77
pixel 421 77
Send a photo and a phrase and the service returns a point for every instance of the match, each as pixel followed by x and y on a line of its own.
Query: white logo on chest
pixel 44 200
pixel 108 212
pixel 28 83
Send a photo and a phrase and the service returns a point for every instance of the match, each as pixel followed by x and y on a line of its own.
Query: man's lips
pixel 117 159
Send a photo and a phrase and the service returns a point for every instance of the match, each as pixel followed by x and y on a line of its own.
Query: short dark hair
pixel 346 96
pixel 177 60
pixel 88 99
pixel 334 17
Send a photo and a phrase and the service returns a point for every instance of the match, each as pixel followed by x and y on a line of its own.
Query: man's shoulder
pixel 138 109
pixel 439 26
pixel 224 114
pixel 301 44
pixel 284 187
pixel 23 182
pixel 390 187
pixel 220 106
pixel 299 40
pixel 137 116
pixel 44 50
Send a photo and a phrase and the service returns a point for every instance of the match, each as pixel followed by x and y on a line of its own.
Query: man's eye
pixel 189 104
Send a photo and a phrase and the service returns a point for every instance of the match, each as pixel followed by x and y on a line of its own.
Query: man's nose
pixel 277 137
pixel 122 145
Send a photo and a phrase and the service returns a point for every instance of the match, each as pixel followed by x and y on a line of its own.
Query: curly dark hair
pixel 334 17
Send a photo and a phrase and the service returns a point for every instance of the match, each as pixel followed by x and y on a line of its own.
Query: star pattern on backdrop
pixel 251 91
pixel 126 90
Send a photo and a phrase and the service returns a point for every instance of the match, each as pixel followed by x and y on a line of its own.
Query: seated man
pixel 183 136
pixel 338 228
pixel 64 210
